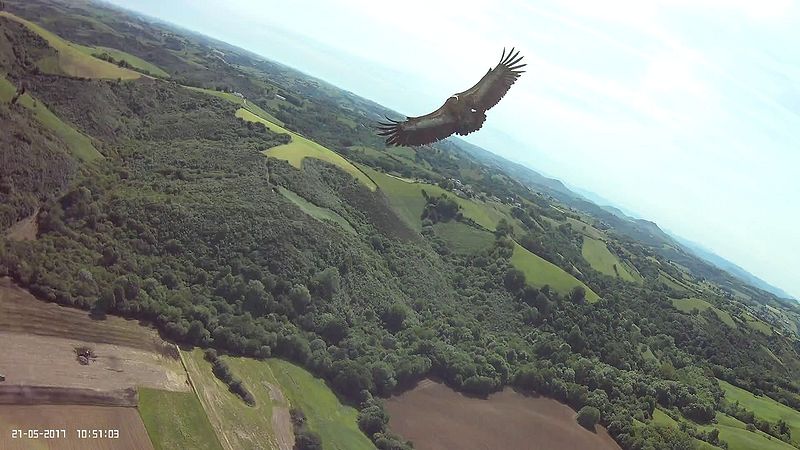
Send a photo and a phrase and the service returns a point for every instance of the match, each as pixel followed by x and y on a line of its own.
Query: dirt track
pixel 435 417
pixel 132 434
pixel 281 419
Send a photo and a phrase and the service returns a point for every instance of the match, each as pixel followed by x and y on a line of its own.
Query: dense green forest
pixel 180 222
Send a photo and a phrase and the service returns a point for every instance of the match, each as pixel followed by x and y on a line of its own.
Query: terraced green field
pixel 601 259
pixel 335 423
pixel 79 144
pixel 462 238
pixel 687 305
pixel 315 211
pixel 71 60
pixel 407 200
pixel 763 407
pixel 176 420
pixel 301 148
pixel 539 272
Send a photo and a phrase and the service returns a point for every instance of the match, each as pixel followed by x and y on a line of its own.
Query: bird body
pixel 462 113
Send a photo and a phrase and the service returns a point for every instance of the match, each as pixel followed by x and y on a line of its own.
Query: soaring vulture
pixel 462 113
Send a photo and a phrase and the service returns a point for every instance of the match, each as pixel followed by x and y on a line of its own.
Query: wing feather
pixel 494 85
pixel 418 130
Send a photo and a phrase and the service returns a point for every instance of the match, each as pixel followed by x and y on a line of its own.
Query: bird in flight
pixel 462 113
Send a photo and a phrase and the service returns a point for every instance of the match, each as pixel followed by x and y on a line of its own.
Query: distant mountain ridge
pixel 677 248
pixel 731 267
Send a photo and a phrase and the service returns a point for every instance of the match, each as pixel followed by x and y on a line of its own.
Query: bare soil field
pixel 23 313
pixel 132 434
pixel 435 417
pixel 40 341
pixel 32 360
pixel 49 395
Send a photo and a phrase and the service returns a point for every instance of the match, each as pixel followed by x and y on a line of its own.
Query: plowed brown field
pixel 70 418
pixel 435 417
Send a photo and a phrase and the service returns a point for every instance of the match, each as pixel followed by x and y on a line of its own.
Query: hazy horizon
pixel 687 112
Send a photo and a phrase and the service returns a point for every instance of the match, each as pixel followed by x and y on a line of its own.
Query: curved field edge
pixel 71 60
pixel 317 212
pixel 300 148
pixel 79 144
pixel 176 420
pixel 407 200
pixel 539 272
pixel 596 253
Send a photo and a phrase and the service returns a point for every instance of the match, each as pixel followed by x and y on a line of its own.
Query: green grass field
pixel 731 431
pixel 763 407
pixel 735 433
pixel 176 420
pixel 402 154
pixel 274 384
pixel 407 200
pixel 119 55
pixel 662 419
pixel 687 305
pixel 315 211
pixel 238 425
pixel 462 238
pixel 335 423
pixel 79 144
pixel 673 283
pixel 301 148
pixel 71 60
pixel 585 229
pixel 249 106
pixel 647 352
pixel 539 272
pixel 601 259
pixel 757 324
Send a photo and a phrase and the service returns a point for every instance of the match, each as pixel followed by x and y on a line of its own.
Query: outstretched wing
pixel 420 130
pixel 494 85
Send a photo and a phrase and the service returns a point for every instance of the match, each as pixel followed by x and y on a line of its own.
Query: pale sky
pixel 685 111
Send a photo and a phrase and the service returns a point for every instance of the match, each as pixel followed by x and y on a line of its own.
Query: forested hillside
pixel 243 206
